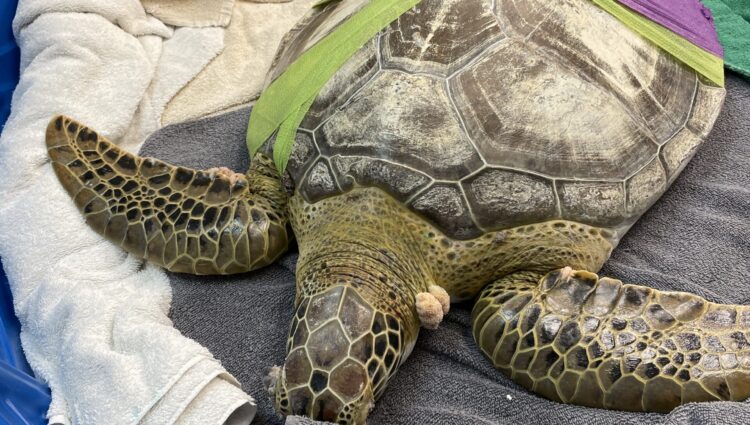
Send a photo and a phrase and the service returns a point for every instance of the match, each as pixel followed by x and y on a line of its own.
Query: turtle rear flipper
pixel 573 337
pixel 193 221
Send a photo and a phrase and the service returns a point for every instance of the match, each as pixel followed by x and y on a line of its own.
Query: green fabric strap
pixel 283 105
pixel 287 133
pixel 702 61
pixel 732 18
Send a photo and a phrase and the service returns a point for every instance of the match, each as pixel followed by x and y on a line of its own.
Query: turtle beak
pixel 341 353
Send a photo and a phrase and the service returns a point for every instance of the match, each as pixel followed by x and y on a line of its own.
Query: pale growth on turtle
pixel 474 149
pixel 429 310
pixel 442 296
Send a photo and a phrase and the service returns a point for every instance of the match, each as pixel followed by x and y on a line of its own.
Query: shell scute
pixel 480 115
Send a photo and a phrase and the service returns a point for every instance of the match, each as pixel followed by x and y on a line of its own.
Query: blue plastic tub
pixel 23 399
pixel 9 58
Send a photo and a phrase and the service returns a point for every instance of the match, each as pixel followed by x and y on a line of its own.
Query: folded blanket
pixel 232 79
pixel 94 320
pixel 694 239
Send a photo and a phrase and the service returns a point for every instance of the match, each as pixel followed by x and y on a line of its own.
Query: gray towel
pixel 694 239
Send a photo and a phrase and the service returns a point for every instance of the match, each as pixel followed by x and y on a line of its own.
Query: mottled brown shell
pixel 482 115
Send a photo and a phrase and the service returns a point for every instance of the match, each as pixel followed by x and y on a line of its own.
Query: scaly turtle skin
pixel 474 148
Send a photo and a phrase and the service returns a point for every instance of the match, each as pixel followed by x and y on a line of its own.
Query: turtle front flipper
pixel 200 222
pixel 573 337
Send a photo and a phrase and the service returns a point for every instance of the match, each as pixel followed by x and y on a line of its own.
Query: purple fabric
pixel 687 18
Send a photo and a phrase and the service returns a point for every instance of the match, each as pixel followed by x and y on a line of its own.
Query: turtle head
pixel 342 349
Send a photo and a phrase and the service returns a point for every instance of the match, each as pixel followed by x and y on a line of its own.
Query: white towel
pixel 94 319
pixel 237 75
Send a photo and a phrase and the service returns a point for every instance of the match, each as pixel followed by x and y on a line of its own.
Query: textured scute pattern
pixel 402 181
pixel 522 197
pixel 678 150
pixel 573 337
pixel 419 129
pixel 341 353
pixel 185 220
pixel 440 36
pixel 309 30
pixel 541 117
pixel 443 204
pixel 655 87
pixel 483 115
pixel 357 71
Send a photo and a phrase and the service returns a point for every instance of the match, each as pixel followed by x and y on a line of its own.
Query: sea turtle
pixel 474 149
